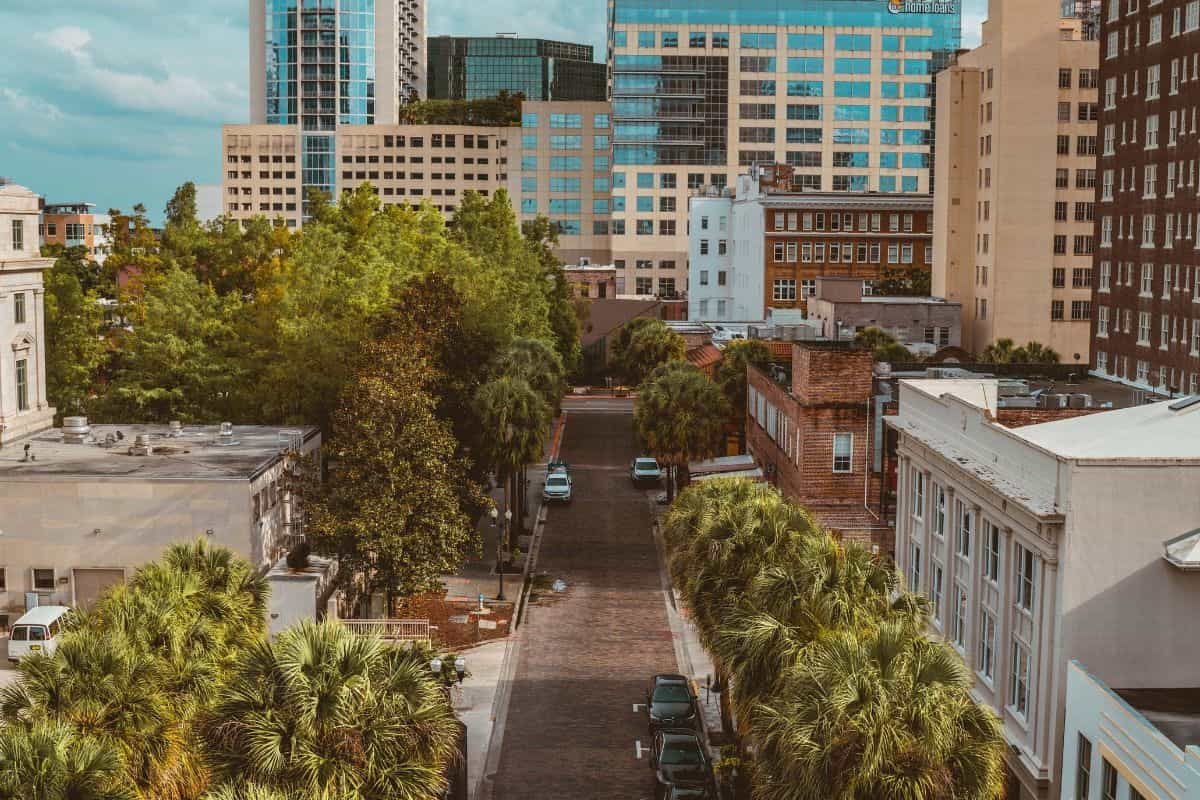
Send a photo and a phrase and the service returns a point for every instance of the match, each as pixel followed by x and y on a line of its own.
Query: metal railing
pixel 400 630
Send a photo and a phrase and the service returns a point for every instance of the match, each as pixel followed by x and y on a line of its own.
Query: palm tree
pixel 645 345
pixel 515 421
pixel 679 415
pixel 51 761
pixel 1036 353
pixel 1000 351
pixel 325 713
pixel 884 715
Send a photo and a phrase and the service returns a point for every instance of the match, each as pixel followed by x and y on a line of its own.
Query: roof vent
pixel 175 428
pixel 75 430
pixel 225 435
pixel 141 445
pixel 1185 403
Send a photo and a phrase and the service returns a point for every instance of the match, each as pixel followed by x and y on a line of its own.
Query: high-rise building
pixel 1015 178
pixel 474 67
pixel 1146 297
pixel 319 64
pixel 841 90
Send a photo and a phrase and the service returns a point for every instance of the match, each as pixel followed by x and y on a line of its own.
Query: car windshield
pixel 671 693
pixel 681 752
pixel 557 481
pixel 646 463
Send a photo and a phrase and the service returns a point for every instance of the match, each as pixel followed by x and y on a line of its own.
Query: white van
pixel 36 632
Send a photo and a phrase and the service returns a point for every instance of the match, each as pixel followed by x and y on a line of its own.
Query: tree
pixel 514 421
pixel 883 345
pixel 391 510
pixel 1003 351
pixel 904 282
pixel 73 327
pixel 325 713
pixel 541 235
pixel 650 345
pixel 885 714
pixel 52 761
pixel 679 414
pixel 731 372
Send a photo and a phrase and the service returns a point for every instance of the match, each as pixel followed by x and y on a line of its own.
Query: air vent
pixel 1185 403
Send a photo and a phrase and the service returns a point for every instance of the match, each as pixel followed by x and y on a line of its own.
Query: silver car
pixel 557 488
pixel 645 472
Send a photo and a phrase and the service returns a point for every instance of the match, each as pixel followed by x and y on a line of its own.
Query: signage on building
pixel 923 6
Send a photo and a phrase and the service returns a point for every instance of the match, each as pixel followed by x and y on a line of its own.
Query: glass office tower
pixel 473 67
pixel 841 90
pixel 324 63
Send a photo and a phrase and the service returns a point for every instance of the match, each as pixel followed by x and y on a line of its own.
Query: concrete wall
pixel 710 219
pixel 906 321
pixel 1144 758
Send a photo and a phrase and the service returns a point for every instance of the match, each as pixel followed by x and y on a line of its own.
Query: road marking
pixel 636 706
pixel 637 746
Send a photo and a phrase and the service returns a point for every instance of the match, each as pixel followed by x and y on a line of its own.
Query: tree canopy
pixel 642 345
pixel 1004 351
pixel 679 416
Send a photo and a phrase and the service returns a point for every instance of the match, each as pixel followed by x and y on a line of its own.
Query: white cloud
pixel 175 93
pixel 21 103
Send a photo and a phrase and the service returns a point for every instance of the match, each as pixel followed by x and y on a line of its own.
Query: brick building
pixel 799 236
pixel 811 432
pixel 1146 325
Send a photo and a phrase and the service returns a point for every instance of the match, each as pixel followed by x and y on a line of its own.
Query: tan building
pixel 408 164
pixel 564 172
pixel 24 407
pixel 76 225
pixel 1015 177
pixel 592 281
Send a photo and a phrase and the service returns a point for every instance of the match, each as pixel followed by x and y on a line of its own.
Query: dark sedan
pixel 680 763
pixel 671 703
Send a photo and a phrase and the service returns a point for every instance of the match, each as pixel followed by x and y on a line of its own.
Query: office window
pixel 19 307
pixel 1018 680
pixel 914 567
pixel 1064 78
pixel 1026 563
pixel 987 644
pixel 936 577
pixel 1108 780
pixel 22 369
pixel 918 509
pixel 670 39
pixel 784 289
pixel 698 39
pixel 966 526
pixel 843 448
pixel 958 632
pixel 18 234
pixel 43 579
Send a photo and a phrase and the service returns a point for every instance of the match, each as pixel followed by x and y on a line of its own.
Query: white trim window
pixel 987 645
pixel 1018 680
pixel 1024 578
pixel 914 567
pixel 966 526
pixel 991 552
pixel 959 631
pixel 843 453
pixel 918 510
pixel 43 579
pixel 936 576
pixel 939 508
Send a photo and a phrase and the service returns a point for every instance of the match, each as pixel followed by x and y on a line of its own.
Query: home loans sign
pixel 923 6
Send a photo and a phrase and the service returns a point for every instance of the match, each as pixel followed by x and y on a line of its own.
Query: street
pixel 586 656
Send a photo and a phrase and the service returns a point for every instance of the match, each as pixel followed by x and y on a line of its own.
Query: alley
pixel 586 657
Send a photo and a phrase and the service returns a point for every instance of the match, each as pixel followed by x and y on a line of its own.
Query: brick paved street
pixel 586 657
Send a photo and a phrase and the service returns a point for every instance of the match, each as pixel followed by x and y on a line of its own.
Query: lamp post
pixel 500 550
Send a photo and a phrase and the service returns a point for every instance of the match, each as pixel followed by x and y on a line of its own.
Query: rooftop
pixel 197 453
pixel 864 201
pixel 1175 712
pixel 1164 430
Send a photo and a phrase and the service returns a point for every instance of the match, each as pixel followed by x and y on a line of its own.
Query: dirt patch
pixel 541 590
pixel 458 623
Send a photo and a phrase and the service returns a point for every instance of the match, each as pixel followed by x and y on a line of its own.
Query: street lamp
pixel 508 515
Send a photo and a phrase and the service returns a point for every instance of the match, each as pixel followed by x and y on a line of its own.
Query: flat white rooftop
pixel 1165 430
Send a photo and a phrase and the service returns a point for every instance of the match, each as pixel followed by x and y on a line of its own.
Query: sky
pixel 116 102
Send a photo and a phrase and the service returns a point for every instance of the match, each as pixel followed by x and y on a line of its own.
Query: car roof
pixel 646 458
pixel 668 677
pixel 676 734
pixel 42 615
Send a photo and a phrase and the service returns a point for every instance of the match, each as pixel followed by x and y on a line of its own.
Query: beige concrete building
pixel 1044 543
pixel 564 173
pixel 1015 173
pixel 24 407
pixel 84 508
pixel 408 164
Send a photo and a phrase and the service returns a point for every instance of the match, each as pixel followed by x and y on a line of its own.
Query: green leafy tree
pixel 679 415
pixel 565 321
pixel 391 510
pixel 730 373
pixel 649 345
pixel 514 422
pixel 325 713
pixel 504 109
pixel 177 362
pixel 76 351
pixel 904 282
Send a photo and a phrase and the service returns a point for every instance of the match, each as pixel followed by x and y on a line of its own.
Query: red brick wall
pixel 831 374
pixel 836 499
pixel 1020 417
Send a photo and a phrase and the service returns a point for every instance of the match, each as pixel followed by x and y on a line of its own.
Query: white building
pixel 1041 544
pixel 24 407
pixel 1137 744
pixel 722 288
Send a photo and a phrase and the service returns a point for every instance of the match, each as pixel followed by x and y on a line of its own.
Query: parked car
pixel 704 791
pixel 36 631
pixel 679 761
pixel 671 703
pixel 557 488
pixel 645 472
